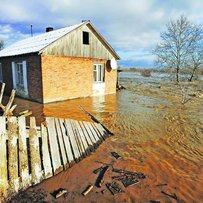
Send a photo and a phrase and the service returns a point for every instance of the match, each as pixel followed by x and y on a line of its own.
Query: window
pixel 98 73
pixel 1 74
pixel 19 74
pixel 85 37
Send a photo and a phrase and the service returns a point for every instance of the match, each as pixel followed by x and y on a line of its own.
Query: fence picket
pixel 90 134
pixel 54 148
pixel 97 131
pixel 78 138
pixel 90 142
pixel 101 130
pixel 3 160
pixel 61 143
pixel 23 155
pixel 72 140
pixel 81 134
pixel 66 141
pixel 36 170
pixel 93 132
pixel 13 155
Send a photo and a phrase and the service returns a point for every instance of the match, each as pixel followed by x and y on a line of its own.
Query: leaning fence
pixel 30 154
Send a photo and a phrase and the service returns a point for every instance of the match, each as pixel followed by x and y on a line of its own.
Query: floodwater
pixel 153 133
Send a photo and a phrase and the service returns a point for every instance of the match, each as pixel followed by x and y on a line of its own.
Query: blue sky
pixel 132 27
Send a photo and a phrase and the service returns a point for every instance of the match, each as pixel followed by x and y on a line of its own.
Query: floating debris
pixel 114 188
pixel 87 190
pixel 174 196
pixel 97 170
pixel 154 201
pixel 128 181
pixel 116 155
pixel 100 177
pixel 161 184
pixel 58 193
pixel 137 175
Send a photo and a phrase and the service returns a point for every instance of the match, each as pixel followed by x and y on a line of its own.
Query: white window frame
pixel 98 73
pixel 1 73
pixel 17 81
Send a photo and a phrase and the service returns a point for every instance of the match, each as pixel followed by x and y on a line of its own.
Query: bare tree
pixel 1 44
pixel 197 53
pixel 178 46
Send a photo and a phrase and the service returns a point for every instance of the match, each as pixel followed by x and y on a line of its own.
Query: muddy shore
pixel 154 133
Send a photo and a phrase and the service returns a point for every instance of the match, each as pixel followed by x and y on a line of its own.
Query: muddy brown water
pixel 154 134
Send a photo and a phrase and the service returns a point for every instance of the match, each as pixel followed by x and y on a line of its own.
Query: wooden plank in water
pixel 23 155
pixel 46 160
pixel 66 140
pixel 13 155
pixel 78 138
pixel 89 141
pixel 3 160
pixel 82 136
pixel 61 143
pixel 75 148
pixel 36 170
pixel 54 148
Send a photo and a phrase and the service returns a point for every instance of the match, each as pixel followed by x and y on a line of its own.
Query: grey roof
pixel 36 43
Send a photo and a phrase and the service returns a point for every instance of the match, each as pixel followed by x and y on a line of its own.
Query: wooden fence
pixel 31 154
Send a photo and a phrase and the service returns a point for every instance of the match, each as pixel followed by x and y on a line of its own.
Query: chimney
pixel 83 21
pixel 49 29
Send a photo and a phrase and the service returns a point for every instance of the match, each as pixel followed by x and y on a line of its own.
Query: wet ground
pixel 154 133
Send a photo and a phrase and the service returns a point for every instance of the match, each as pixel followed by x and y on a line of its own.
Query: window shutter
pixel 14 75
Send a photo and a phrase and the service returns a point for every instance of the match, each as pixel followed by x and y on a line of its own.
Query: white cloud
pixel 132 27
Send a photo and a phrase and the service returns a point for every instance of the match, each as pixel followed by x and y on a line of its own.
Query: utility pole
pixel 31 30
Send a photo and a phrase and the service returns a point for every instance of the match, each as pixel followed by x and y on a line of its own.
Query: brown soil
pixel 154 134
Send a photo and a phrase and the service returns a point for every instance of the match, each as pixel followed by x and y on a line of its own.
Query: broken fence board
pixel 75 148
pixel 84 141
pixel 94 132
pixel 36 170
pixel 46 160
pixel 102 130
pixel 3 160
pixel 23 155
pixel 78 138
pixel 61 143
pixel 89 141
pixel 66 141
pixel 13 155
pixel 54 148
pixel 97 131
pixel 90 133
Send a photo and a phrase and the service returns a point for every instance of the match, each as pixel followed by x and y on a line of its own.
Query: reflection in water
pixel 153 132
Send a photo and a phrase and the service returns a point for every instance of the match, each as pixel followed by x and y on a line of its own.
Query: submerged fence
pixel 31 154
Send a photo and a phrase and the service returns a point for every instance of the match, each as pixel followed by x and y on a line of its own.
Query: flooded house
pixel 62 64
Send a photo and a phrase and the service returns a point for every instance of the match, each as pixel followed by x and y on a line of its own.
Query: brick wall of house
pixel 33 64
pixel 110 79
pixel 71 77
